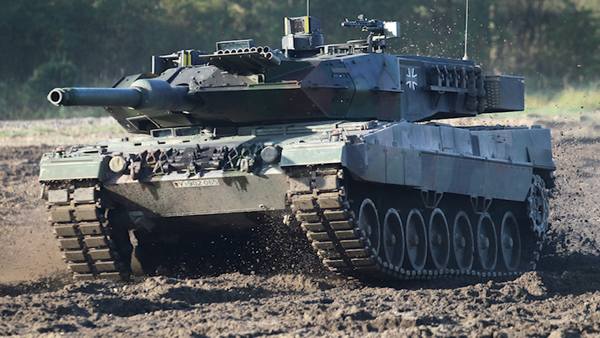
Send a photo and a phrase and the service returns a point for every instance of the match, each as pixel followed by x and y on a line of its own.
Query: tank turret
pixel 305 81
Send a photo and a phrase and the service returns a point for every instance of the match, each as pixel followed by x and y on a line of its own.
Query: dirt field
pixel 561 299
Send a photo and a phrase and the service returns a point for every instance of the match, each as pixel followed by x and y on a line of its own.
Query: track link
pixel 83 231
pixel 318 199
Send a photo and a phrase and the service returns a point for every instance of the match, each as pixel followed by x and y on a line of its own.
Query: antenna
pixel 307 7
pixel 465 57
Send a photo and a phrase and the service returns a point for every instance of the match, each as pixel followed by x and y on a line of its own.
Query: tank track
pixel 81 224
pixel 318 199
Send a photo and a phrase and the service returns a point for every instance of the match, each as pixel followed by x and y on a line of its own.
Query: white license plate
pixel 195 183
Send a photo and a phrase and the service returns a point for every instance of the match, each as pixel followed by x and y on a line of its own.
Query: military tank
pixel 340 141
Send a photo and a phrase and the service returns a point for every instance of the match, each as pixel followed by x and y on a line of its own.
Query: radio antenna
pixel 466 57
pixel 307 7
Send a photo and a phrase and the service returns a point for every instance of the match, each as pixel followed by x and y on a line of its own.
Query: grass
pixel 570 102
pixel 12 133
pixel 61 132
pixel 570 112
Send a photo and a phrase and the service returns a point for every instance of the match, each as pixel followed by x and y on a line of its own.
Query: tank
pixel 341 144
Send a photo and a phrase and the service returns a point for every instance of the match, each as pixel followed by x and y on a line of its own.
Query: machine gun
pixel 379 31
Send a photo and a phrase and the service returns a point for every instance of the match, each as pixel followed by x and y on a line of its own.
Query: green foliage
pixel 553 43
pixel 29 99
pixel 51 75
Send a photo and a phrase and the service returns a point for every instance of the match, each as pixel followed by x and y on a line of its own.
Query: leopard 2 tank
pixel 338 141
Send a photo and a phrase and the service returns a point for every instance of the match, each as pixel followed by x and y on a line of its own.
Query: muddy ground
pixel 561 299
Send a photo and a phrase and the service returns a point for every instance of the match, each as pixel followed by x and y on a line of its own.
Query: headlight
pixel 117 164
pixel 269 154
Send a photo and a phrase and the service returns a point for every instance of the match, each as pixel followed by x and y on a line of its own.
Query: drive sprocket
pixel 537 206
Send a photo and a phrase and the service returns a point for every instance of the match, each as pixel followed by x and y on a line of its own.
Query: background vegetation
pixel 555 44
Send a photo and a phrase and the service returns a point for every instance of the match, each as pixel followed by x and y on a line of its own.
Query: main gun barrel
pixel 144 94
pixel 96 97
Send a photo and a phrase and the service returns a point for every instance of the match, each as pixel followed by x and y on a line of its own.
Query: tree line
pixel 47 43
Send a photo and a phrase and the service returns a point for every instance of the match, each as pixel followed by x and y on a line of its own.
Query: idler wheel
pixel 487 246
pixel 462 240
pixel 416 240
pixel 537 206
pixel 439 239
pixel 393 238
pixel 368 221
pixel 510 241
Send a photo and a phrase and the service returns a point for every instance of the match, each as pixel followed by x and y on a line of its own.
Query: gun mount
pixel 240 84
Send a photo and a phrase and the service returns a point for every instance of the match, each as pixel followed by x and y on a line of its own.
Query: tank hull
pixel 364 193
